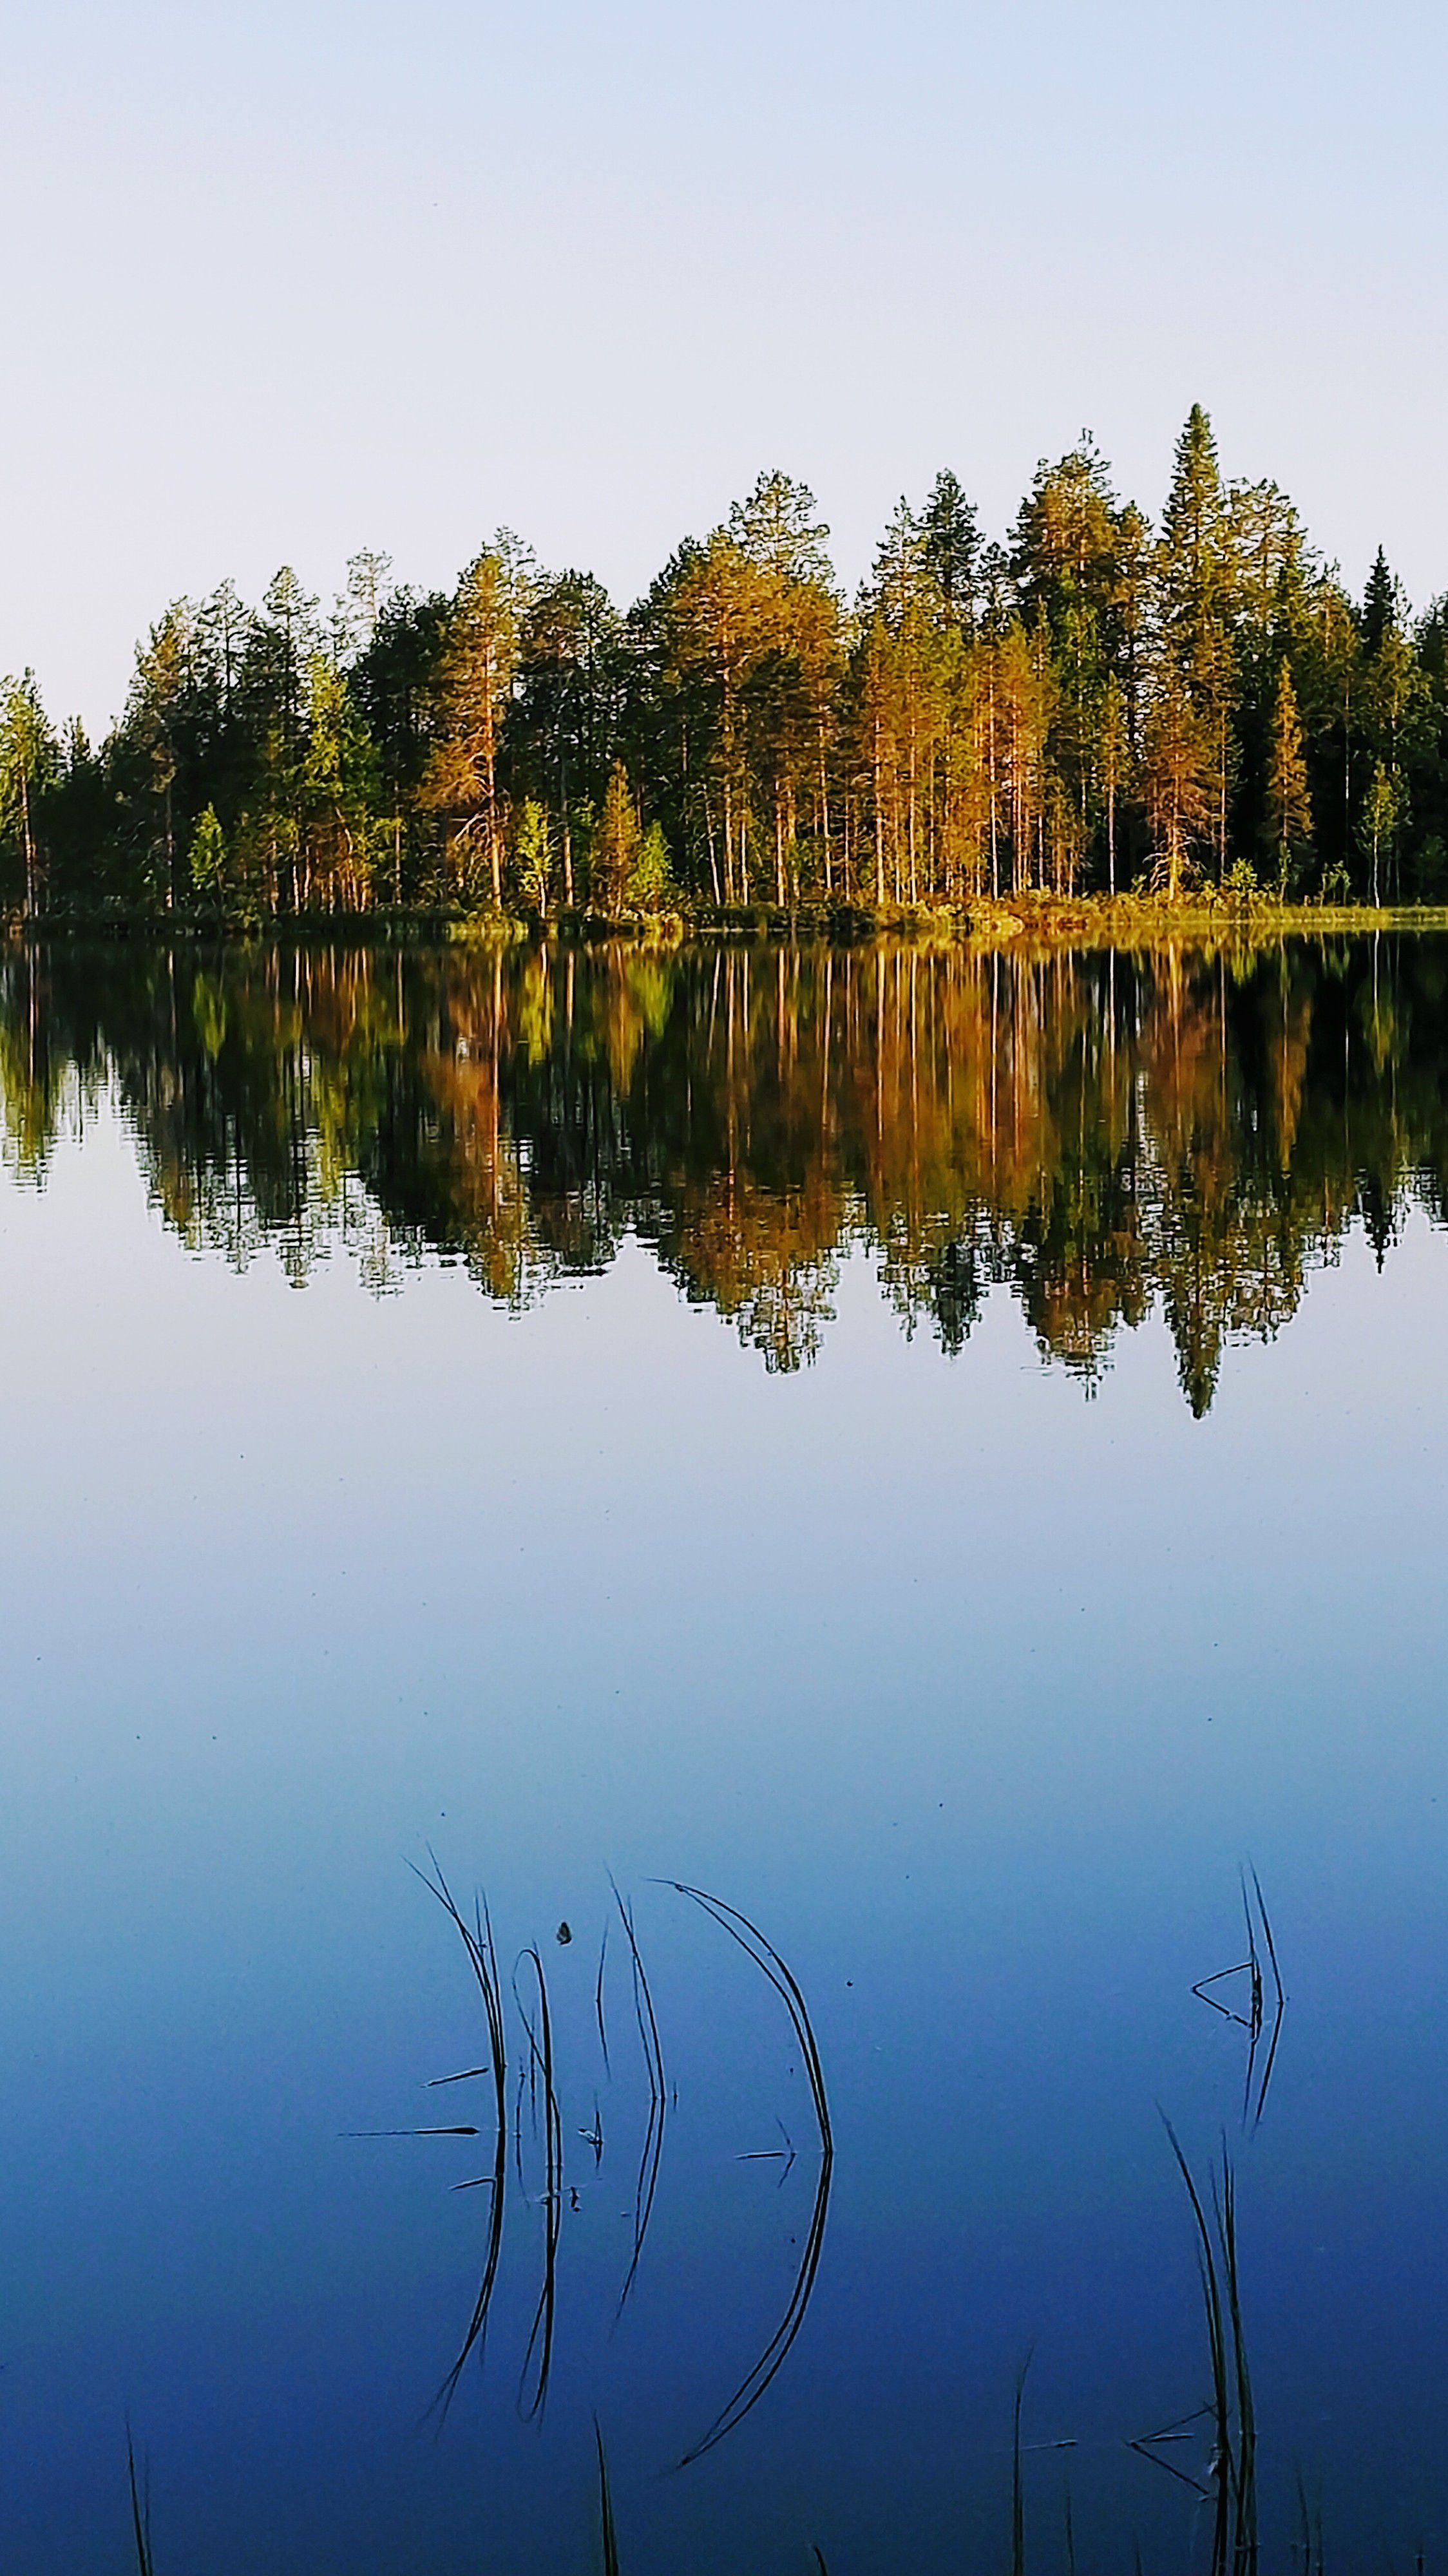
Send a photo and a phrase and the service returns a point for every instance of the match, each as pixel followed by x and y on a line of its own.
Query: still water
pixel 943 1452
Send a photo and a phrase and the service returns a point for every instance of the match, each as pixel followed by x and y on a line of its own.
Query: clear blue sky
pixel 282 282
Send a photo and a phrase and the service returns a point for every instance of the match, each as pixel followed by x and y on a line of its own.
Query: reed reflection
pixel 1104 1135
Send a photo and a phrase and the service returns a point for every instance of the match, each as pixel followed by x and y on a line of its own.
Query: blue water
pixel 974 1684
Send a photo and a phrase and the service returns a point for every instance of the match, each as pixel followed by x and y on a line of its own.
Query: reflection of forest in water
pixel 1100 1133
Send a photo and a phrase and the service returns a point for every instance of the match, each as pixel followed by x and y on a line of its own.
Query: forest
pixel 1101 1135
pixel 1095 706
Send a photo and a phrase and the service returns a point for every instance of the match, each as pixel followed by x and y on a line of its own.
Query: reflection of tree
pixel 1102 1136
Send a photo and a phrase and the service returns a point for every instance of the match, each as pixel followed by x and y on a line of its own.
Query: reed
pixel 538 2357
pixel 482 1957
pixel 605 2507
pixel 652 2153
pixel 1260 2021
pixel 1233 2473
pixel 140 2511
pixel 766 1958
pixel 1018 2494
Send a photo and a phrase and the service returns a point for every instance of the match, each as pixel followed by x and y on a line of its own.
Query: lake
pixel 942 1452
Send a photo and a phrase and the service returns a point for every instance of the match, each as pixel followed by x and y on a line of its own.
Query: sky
pixel 284 282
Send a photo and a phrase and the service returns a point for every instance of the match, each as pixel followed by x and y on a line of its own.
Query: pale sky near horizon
pixel 287 281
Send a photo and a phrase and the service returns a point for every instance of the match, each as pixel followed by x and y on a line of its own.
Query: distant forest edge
pixel 1096 707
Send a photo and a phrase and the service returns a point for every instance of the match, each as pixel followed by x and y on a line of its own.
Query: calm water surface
pixel 947 1453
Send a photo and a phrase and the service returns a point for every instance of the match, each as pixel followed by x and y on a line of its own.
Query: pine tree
pixel 338 789
pixel 1179 777
pixel 564 718
pixel 777 528
pixel 280 646
pixel 476 678
pixel 1114 752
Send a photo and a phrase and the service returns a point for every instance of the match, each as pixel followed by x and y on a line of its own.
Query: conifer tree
pixel 777 528
pixel 1196 580
pixel 1114 753
pixel 476 677
pixel 208 856
pixel 1380 605
pixel 563 722
pixel 27 762
pixel 1289 803
pixel 1179 768
pixel 533 854
pixel 615 847
pixel 153 715
pixel 338 789
pixel 950 528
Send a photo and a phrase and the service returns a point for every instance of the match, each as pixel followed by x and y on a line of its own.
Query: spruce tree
pixel 615 844
pixel 27 763
pixel 1289 803
pixel 1196 584
pixel 950 527
pixel 1380 605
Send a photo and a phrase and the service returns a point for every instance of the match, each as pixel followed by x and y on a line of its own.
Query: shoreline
pixel 1024 921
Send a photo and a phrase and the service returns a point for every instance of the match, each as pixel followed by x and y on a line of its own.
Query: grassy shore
pixel 1029 920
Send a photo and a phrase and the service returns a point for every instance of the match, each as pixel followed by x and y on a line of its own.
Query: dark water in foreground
pixel 947 1453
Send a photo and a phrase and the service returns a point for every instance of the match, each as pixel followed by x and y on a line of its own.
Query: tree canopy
pixel 1093 704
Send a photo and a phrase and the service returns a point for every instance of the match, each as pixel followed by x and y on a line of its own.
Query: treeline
pixel 1095 705
pixel 1101 1137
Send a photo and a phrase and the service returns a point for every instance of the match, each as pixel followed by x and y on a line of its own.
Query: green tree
pixel 1067 567
pixel 208 857
pixel 615 848
pixel 1114 748
pixel 777 528
pixel 715 630
pixel 1289 802
pixel 27 763
pixel 475 681
pixel 650 879
pixel 1180 777
pixel 1196 584
pixel 533 853
pixel 1382 609
pixel 337 791
pixel 564 718
pixel 281 645
pixel 154 714
pixel 1382 814
pixel 950 529
pixel 790 682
